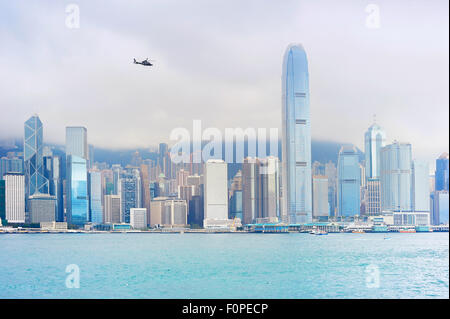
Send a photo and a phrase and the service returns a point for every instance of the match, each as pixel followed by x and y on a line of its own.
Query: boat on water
pixel 358 231
pixel 318 232
pixel 406 230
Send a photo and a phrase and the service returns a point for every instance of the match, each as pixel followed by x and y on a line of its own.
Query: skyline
pixel 127 107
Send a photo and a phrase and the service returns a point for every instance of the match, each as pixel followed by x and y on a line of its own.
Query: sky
pixel 220 62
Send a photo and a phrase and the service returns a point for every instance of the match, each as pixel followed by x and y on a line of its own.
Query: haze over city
pixel 224 67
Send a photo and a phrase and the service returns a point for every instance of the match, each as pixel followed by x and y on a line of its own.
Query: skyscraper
pixel 331 174
pixel 112 209
pixel 76 141
pixel 2 202
pixel 374 140
pixel 215 193
pixel 270 187
pixel 35 180
pixel 95 197
pixel 130 192
pixel 15 197
pixel 420 193
pixel 441 176
pixel 296 142
pixel 395 177
pixel 251 192
pixel 77 157
pixel 53 172
pixel 77 191
pixel 349 176
pixel 320 197
pixel 373 200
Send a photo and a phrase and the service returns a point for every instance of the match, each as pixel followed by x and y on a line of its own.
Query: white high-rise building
pixel 395 177
pixel 15 197
pixel 420 192
pixel 215 193
pixel 138 218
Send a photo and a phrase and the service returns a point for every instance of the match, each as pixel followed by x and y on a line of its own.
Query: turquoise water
pixel 225 265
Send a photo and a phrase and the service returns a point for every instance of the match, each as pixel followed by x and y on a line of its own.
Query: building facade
pixel 420 193
pixel 15 197
pixel 35 180
pixel 320 197
pixel 374 141
pixel 296 139
pixel 395 177
pixel 215 192
pixel 348 191
pixel 95 197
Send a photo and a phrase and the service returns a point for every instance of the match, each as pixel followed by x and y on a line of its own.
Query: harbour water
pixel 246 265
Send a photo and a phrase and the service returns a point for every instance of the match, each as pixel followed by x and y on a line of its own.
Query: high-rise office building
pixel 53 172
pixel 320 197
pixel 35 180
pixel 157 207
pixel 42 208
pixel 10 165
pixel 163 162
pixel 138 218
pixel 296 140
pixel 196 212
pixel 348 191
pixel 174 213
pixel 95 197
pixel 270 188
pixel 395 177
pixel 117 171
pixel 374 140
pixel 15 197
pixel 77 163
pixel 145 188
pixel 77 191
pixel 251 191
pixel 215 192
pixel 420 194
pixel 441 175
pixel 331 174
pixel 441 207
pixel 373 199
pixel 130 192
pixel 112 209
pixel 76 142
pixel 236 205
pixel 2 202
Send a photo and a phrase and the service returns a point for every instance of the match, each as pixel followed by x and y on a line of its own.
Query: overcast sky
pixel 220 62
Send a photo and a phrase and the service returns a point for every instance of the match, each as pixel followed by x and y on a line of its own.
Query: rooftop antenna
pixel 374 119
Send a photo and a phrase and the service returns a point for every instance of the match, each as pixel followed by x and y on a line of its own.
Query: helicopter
pixel 145 62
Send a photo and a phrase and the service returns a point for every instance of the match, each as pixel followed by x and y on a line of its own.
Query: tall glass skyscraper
pixel 76 141
pixel 441 175
pixel 77 191
pixel 35 180
pixel 77 156
pixel 349 179
pixel 374 140
pixel 296 142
